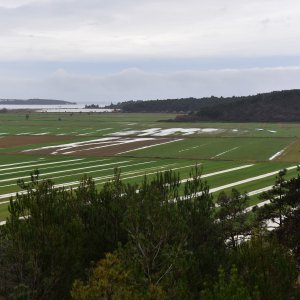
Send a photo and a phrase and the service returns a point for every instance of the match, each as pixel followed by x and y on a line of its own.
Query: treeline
pixel 169 105
pixel 91 106
pixel 281 106
pixel 161 239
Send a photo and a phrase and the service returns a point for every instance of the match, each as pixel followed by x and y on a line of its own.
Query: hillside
pixel 283 106
pixel 169 105
pixel 279 106
pixel 34 102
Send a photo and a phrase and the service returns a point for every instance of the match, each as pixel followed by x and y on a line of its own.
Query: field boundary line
pixel 277 153
pixel 220 154
pixel 219 172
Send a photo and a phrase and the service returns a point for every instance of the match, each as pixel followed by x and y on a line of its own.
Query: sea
pixel 54 108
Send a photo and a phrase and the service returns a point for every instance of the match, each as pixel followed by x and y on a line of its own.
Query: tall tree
pixel 44 240
pixel 278 208
pixel 204 243
pixel 267 267
pixel 233 288
pixel 232 216
pixel 155 230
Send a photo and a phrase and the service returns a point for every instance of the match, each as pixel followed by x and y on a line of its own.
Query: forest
pixel 280 106
pixel 160 239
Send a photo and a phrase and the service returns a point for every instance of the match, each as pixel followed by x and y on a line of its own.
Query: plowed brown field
pixel 101 148
pixel 15 141
pixel 291 153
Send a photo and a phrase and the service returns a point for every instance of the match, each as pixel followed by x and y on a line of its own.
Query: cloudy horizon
pixel 110 51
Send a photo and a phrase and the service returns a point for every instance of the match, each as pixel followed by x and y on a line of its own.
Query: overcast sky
pixel 113 50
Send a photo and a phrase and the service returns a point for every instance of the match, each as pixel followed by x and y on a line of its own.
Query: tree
pixel 156 230
pixel 267 267
pixel 292 192
pixel 102 214
pixel 232 216
pixel 43 237
pixel 111 280
pixel 278 208
pixel 233 288
pixel 204 242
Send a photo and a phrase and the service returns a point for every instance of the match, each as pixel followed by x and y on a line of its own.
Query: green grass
pixel 215 151
pixel 243 149
pixel 14 123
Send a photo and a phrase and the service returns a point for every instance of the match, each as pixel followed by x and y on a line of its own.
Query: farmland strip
pixel 63 171
pixel 149 146
pixel 118 143
pixel 21 163
pixel 71 145
pixel 100 170
pixel 248 180
pixel 51 163
pixel 60 166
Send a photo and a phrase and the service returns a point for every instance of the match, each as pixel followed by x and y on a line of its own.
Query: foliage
pixel 284 198
pixel 283 104
pixel 267 265
pixel 102 215
pixel 161 239
pixel 109 280
pixel 232 217
pixel 205 243
pixel 43 238
pixel 229 289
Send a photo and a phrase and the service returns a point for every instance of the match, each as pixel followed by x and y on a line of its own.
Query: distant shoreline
pixel 35 102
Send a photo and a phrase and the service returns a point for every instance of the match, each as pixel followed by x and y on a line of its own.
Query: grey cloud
pixel 160 37
pixel 137 84
pixel 76 29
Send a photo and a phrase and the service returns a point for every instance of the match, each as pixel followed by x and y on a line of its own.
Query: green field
pixel 231 154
